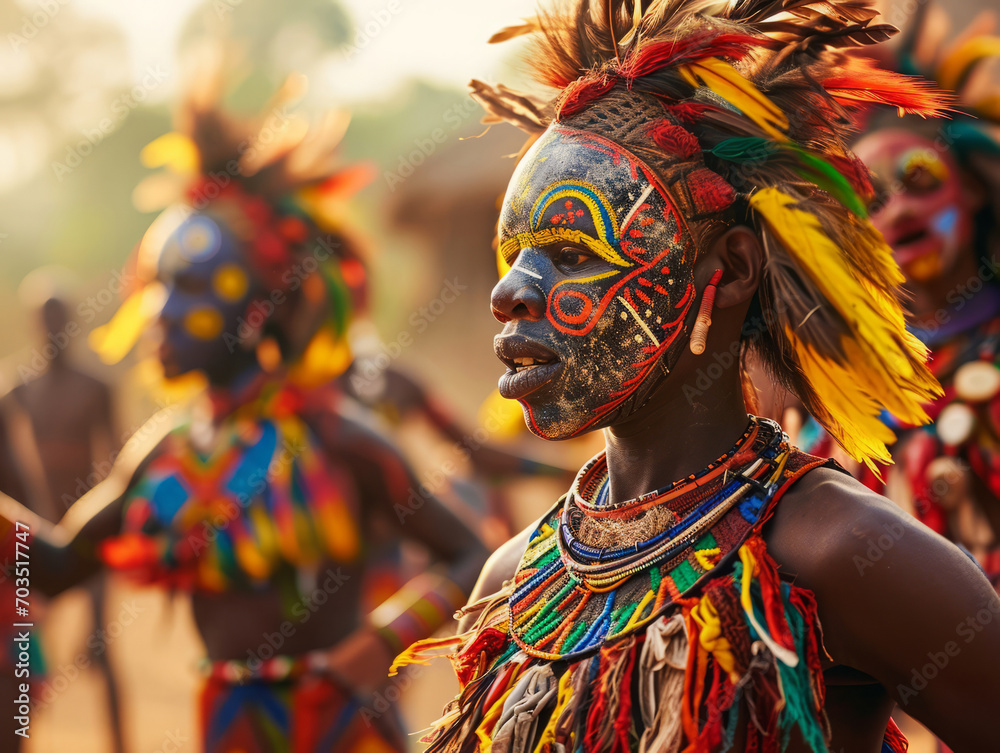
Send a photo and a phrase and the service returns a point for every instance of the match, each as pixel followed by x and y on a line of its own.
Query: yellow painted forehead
pixel 572 187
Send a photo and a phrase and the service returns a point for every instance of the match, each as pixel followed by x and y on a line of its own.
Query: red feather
pixel 651 58
pixel 674 139
pixel 583 92
pixel 861 82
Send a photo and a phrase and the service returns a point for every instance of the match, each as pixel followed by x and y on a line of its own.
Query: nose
pixel 896 210
pixel 517 296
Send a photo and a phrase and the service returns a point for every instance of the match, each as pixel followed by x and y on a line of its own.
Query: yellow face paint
pixel 922 170
pixel 203 323
pixel 230 283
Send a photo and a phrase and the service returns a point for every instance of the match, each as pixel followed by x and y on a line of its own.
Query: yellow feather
pixel 958 62
pixel 175 151
pixel 728 83
pixel 851 416
pixel 882 365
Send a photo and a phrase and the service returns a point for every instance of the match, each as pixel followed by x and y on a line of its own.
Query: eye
pixel 190 283
pixel 922 171
pixel 570 256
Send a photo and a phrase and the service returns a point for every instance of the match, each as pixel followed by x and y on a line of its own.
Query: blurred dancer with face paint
pixel 261 503
pixel 688 197
pixel 937 203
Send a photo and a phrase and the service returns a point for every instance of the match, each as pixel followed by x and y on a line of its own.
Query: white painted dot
pixel 638 338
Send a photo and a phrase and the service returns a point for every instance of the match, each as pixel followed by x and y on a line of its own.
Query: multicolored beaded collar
pixel 594 572
pixel 264 500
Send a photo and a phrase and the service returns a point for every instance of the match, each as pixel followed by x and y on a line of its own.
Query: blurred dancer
pixel 61 422
pixel 688 196
pixel 260 503
pixel 938 205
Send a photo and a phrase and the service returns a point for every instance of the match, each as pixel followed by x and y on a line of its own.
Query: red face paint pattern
pixel 613 318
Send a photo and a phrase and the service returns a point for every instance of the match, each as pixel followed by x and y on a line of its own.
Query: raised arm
pixel 65 554
pixel 899 603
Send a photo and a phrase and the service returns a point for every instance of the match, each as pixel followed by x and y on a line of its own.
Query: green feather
pixel 819 172
pixel 745 149
pixel 826 176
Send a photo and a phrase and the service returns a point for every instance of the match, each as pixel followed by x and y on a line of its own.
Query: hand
pixel 361 661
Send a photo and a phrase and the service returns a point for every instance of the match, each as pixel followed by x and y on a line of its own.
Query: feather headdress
pixel 963 66
pixel 744 108
pixel 275 180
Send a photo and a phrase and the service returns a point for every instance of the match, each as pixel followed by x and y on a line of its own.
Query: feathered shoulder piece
pixel 275 180
pixel 753 101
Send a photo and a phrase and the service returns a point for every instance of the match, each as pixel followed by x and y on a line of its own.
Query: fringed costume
pixel 662 623
pixel 640 626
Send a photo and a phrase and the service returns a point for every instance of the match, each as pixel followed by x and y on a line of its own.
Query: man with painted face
pixel 688 198
pixel 938 206
pixel 263 502
pixel 935 202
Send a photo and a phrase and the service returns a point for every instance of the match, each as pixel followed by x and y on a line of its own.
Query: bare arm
pixel 389 484
pixel 897 602
pixel 389 488
pixel 64 555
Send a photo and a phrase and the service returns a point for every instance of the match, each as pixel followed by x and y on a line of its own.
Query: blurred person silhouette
pixel 60 421
pixel 937 183
pixel 260 502
pixel 397 397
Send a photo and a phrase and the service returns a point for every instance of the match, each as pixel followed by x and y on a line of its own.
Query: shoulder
pixel 348 434
pixel 90 382
pixel 827 514
pixel 502 564
pixel 828 525
pixel 861 556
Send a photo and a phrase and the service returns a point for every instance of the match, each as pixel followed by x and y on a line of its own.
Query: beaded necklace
pixel 594 572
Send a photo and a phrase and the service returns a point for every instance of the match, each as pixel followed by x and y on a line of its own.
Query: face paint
pixel 204 323
pixel 924 215
pixel 921 170
pixel 230 283
pixel 208 289
pixel 595 241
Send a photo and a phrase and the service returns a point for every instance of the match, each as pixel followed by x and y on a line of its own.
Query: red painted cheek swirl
pixel 559 306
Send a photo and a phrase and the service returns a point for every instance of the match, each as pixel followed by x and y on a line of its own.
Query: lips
pixel 912 243
pixel 529 365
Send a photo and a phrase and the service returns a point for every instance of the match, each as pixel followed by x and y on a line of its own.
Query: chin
pixel 557 421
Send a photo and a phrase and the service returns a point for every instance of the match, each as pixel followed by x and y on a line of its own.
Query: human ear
pixel 739 255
